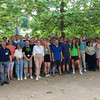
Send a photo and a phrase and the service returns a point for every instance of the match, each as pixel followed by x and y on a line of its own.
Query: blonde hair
pixel 46 47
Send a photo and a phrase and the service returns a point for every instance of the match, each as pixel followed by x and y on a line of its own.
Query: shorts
pixel 66 60
pixel 74 58
pixel 47 58
pixel 27 63
pixel 57 62
pixel 10 68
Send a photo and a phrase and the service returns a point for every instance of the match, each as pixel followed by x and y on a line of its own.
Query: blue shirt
pixel 22 44
pixel 57 52
pixel 65 49
pixel 4 54
pixel 82 46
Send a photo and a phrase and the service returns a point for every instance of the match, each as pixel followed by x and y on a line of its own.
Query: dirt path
pixel 67 87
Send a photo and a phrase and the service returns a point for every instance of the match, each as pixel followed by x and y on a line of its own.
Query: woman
pixel 47 57
pixel 90 50
pixel 19 62
pixel 38 53
pixel 98 53
pixel 10 68
pixel 82 47
pixel 75 55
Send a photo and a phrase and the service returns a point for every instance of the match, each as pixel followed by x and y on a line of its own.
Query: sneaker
pixel 18 79
pixel 37 78
pixel 25 78
pixel 68 72
pixel 73 71
pixel 46 75
pixel 84 70
pixel 6 82
pixel 63 72
pixel 2 83
pixel 31 77
pixel 81 73
pixel 28 74
pixel 21 78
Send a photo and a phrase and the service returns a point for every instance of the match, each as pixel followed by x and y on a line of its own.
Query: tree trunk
pixel 62 17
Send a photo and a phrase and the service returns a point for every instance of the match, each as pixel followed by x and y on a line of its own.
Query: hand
pixel 62 57
pixel 10 63
pixel 34 60
pixel 79 56
pixel 42 59
pixel 61 60
pixel 18 62
pixel 70 57
pixel 53 60
pixel 28 59
pixel 97 54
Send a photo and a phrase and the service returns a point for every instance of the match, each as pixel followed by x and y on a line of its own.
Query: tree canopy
pixel 72 17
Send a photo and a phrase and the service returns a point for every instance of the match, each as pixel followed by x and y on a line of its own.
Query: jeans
pixel 3 70
pixel 19 68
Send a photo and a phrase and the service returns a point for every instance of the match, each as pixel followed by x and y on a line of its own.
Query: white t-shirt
pixel 18 53
pixel 37 50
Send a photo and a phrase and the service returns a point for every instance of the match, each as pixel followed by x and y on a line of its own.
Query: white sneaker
pixel 21 78
pixel 84 70
pixel 81 73
pixel 46 75
pixel 28 74
pixel 31 77
pixel 18 79
pixel 37 78
pixel 25 78
pixel 73 71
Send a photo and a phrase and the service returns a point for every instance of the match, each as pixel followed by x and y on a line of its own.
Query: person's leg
pixel 17 67
pixel 45 68
pixel 53 67
pixel 11 70
pixel 80 59
pixel 73 68
pixel 48 67
pixel 25 67
pixel 30 68
pixel 79 67
pixel 8 73
pixel 59 66
pixel 21 69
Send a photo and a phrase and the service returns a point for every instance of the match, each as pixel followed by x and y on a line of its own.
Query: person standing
pixel 82 47
pixel 57 56
pixel 19 62
pixel 10 68
pixel 75 55
pixel 38 53
pixel 27 53
pixel 66 55
pixel 5 57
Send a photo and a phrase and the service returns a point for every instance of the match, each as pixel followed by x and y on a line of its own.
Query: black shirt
pixel 27 51
pixel 31 46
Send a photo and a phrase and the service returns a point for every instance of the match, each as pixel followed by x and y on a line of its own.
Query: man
pixel 21 42
pixel 66 55
pixel 27 53
pixel 16 39
pixel 5 40
pixel 57 56
pixel 5 56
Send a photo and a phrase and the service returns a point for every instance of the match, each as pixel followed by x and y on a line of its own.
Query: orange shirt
pixel 12 50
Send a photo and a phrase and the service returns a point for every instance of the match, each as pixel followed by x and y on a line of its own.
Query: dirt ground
pixel 67 87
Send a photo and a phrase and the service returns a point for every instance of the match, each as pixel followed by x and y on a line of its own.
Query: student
pixel 47 59
pixel 19 62
pixel 75 55
pixel 10 68
pixel 66 55
pixel 27 53
pixel 38 53
pixel 5 57
pixel 57 56
pixel 82 47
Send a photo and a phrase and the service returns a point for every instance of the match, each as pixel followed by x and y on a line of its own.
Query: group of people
pixel 30 56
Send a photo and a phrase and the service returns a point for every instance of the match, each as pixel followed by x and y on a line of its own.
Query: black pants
pixel 92 62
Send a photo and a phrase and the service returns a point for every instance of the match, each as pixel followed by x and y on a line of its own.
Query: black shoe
pixel 2 83
pixel 63 72
pixel 6 82
pixel 68 72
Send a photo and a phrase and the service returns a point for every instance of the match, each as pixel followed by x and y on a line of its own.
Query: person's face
pixel 10 42
pixel 27 43
pixel 5 39
pixel 18 46
pixel 56 42
pixel 74 41
pixel 90 44
pixel 45 43
pixel 65 39
pixel 31 41
pixel 61 39
pixel 80 39
pixel 16 37
pixel 26 36
pixel 13 38
pixel 3 44
pixel 38 43
pixel 21 38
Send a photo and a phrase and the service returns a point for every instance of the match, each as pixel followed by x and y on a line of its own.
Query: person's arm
pixel 25 56
pixel 10 60
pixel 78 53
pixel 61 56
pixel 52 56
pixel 43 55
pixel 70 53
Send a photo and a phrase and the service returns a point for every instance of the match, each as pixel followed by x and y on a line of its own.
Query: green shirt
pixel 74 51
pixel 82 46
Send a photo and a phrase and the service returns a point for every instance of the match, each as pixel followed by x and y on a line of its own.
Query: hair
pixel 47 47
pixel 26 40
pixel 4 37
pixel 76 46
pixel 9 40
pixel 17 45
